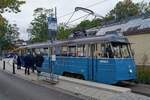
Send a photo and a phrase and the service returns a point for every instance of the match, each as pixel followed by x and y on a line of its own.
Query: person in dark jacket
pixel 22 60
pixel 32 62
pixel 38 62
pixel 28 59
pixel 18 62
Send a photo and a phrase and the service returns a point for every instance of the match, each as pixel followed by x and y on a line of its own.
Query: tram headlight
pixel 130 71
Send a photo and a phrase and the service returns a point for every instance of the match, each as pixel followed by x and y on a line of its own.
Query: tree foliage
pixel 144 8
pixel 127 8
pixel 123 10
pixel 7 6
pixel 11 34
pixel 10 5
pixel 63 33
pixel 3 26
pixel 87 24
pixel 39 30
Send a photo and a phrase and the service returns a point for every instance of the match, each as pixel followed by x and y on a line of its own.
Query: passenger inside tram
pixel 113 50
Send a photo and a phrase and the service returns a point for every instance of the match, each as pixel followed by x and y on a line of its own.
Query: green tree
pixel 144 8
pixel 63 33
pixel 123 10
pixel 87 24
pixel 7 6
pixel 39 30
pixel 12 32
pixel 10 5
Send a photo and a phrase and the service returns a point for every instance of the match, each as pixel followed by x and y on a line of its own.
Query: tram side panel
pixel 125 69
pixel 98 70
pixel 109 71
pixel 72 65
pixel 45 65
pixel 105 71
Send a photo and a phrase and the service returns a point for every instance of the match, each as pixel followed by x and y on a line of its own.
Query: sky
pixel 23 18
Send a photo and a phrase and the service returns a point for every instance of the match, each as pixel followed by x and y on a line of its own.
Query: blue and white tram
pixel 105 59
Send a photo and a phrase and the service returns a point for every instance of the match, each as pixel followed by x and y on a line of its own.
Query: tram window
pixel 58 51
pixel 72 51
pixel 81 51
pixel 98 52
pixel 106 50
pixel 121 50
pixel 117 52
pixel 125 51
pixel 64 51
pixel 101 51
pixel 43 51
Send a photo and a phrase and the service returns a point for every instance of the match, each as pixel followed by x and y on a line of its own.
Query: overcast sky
pixel 24 18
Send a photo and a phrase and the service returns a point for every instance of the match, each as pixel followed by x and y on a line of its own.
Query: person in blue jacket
pixel 28 59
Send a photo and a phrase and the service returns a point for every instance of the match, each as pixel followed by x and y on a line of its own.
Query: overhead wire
pixel 70 18
pixel 97 3
pixel 79 18
pixel 82 16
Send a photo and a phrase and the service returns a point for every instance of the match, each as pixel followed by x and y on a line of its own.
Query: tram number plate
pixel 103 61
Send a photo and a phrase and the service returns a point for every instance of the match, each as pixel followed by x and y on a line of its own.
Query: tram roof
pixel 96 39
pixel 36 45
pixel 87 40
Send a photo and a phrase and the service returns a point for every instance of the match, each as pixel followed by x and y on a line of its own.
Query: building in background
pixel 138 32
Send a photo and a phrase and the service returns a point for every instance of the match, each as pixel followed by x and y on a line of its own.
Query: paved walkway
pixel 14 88
pixel 83 89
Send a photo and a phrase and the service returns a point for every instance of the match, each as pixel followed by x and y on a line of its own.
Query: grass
pixel 143 74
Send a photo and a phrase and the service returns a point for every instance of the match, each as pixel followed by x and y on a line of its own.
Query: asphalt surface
pixel 13 88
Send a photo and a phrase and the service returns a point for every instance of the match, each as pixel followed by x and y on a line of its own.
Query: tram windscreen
pixel 121 50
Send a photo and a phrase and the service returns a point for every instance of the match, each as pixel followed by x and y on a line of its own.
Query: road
pixel 13 88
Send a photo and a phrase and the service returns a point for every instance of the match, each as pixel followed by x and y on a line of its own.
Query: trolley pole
pixel 3 65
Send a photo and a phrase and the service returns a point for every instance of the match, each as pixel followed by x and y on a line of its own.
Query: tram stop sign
pixel 52 27
pixel 52 24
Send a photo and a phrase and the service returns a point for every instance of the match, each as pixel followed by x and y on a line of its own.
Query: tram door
pixel 92 61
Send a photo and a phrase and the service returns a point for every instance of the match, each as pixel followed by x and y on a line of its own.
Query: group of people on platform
pixel 29 60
